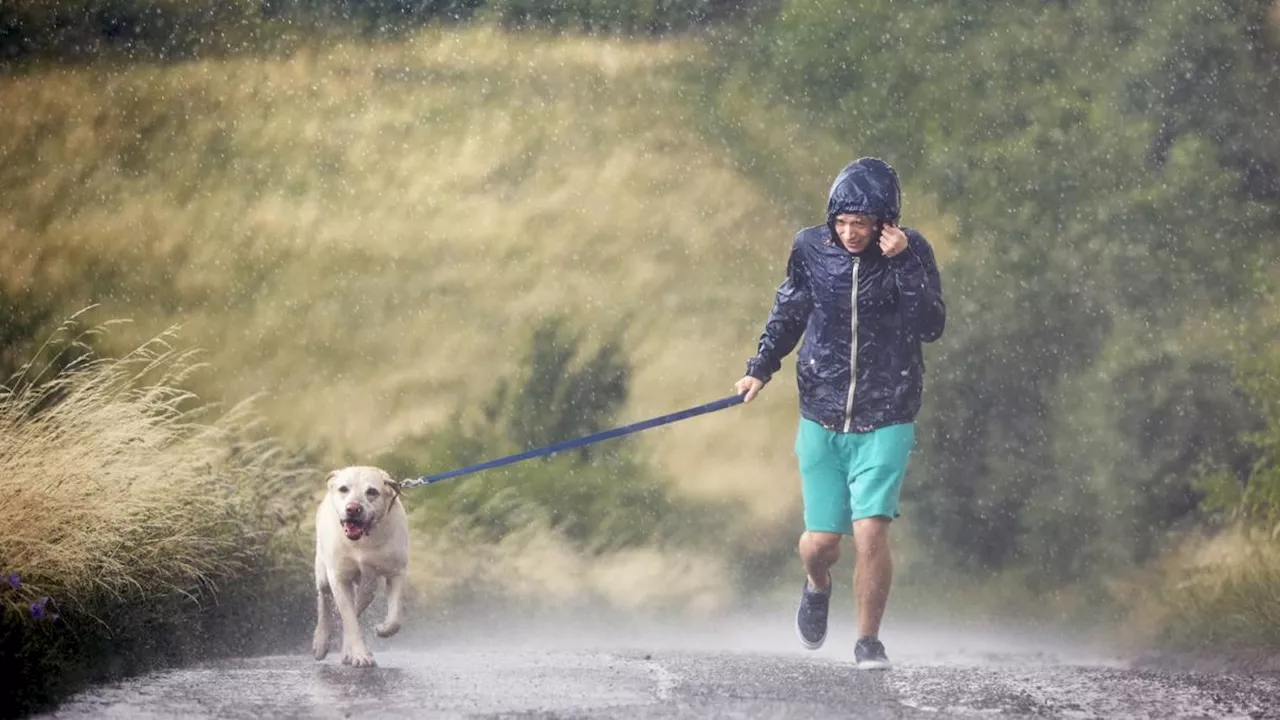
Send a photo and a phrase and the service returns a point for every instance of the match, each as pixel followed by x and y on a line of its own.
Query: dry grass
pixel 114 485
pixel 1218 593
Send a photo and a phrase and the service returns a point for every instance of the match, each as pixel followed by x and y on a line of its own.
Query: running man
pixel 864 294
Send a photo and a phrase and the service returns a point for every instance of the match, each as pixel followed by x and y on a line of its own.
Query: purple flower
pixel 37 609
pixel 14 581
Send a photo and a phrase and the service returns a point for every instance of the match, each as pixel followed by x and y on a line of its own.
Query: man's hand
pixel 749 387
pixel 892 241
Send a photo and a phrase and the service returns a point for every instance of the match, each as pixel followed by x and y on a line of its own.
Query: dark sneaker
pixel 811 616
pixel 869 652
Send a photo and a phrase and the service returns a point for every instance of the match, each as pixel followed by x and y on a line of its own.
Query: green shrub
pixel 83 28
pixel 601 497
pixel 176 29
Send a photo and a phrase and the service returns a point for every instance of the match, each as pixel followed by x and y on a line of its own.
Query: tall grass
pixel 1214 595
pixel 152 528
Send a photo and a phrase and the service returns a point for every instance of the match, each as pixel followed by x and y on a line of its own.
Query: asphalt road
pixel 740 668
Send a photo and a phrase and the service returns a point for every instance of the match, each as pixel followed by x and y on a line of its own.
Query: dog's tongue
pixel 353 530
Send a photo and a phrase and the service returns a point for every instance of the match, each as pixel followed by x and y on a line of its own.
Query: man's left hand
pixel 892 241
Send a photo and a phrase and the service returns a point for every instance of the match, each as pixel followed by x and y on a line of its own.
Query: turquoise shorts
pixel 850 476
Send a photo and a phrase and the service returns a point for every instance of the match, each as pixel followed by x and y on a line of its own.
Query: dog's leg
pixel 365 591
pixel 320 643
pixel 354 651
pixel 395 588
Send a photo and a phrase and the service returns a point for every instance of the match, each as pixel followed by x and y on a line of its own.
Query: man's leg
pixel 876 479
pixel 825 494
pixel 873 573
pixel 819 551
pixel 824 490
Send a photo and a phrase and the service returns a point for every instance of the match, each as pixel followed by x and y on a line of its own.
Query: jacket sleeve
pixel 787 320
pixel 920 289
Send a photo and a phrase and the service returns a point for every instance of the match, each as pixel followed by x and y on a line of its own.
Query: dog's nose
pixel 354 509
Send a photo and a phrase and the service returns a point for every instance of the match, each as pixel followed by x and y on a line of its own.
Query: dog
pixel 362 534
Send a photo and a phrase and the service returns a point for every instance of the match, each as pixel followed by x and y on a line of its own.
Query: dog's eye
pixel 343 489
pixel 371 492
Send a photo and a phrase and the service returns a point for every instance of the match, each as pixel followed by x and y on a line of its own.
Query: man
pixel 864 294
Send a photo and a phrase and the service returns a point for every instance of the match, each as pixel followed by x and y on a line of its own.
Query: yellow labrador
pixel 362 534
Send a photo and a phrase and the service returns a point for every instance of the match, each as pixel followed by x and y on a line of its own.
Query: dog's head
pixel 361 496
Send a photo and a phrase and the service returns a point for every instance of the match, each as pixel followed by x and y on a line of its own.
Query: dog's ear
pixel 328 479
pixel 396 487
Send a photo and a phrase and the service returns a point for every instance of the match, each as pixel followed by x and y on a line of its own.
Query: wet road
pixel 744 669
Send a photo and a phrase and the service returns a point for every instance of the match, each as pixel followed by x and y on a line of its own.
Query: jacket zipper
pixel 853 351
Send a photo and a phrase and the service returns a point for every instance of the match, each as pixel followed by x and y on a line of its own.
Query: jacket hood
pixel 868 186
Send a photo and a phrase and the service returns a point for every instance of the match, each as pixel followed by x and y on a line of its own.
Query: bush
pixel 178 29
pixel 136 532
pixel 1252 494
pixel 1215 595
pixel 601 498
pixel 84 28
pixel 592 524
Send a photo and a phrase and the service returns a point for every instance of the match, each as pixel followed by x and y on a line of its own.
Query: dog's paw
pixel 358 658
pixel 387 629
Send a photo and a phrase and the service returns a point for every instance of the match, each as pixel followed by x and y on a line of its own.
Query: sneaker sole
pixel 874 665
pixel 809 645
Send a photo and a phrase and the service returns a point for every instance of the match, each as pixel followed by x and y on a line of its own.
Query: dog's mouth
pixel 355 529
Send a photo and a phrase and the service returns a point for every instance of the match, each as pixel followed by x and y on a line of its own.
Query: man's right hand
pixel 749 387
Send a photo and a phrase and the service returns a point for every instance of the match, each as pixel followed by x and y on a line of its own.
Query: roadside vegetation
pixel 142 527
pixel 1220 587
pixel 434 233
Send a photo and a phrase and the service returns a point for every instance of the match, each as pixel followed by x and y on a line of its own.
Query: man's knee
pixel 820 543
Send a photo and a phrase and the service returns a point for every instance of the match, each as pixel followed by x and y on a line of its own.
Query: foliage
pixel 179 29
pixel 139 532
pixel 1108 217
pixel 1213 595
pixel 84 28
pixel 22 320
pixel 1252 494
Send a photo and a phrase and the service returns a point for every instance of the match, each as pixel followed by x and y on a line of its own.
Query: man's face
pixel 855 230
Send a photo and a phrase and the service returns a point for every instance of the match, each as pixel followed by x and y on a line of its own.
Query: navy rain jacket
pixel 860 367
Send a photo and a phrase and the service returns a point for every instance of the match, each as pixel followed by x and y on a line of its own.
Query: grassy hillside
pixel 365 234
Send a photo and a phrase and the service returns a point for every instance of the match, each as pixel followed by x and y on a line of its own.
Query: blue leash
pixel 580 442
